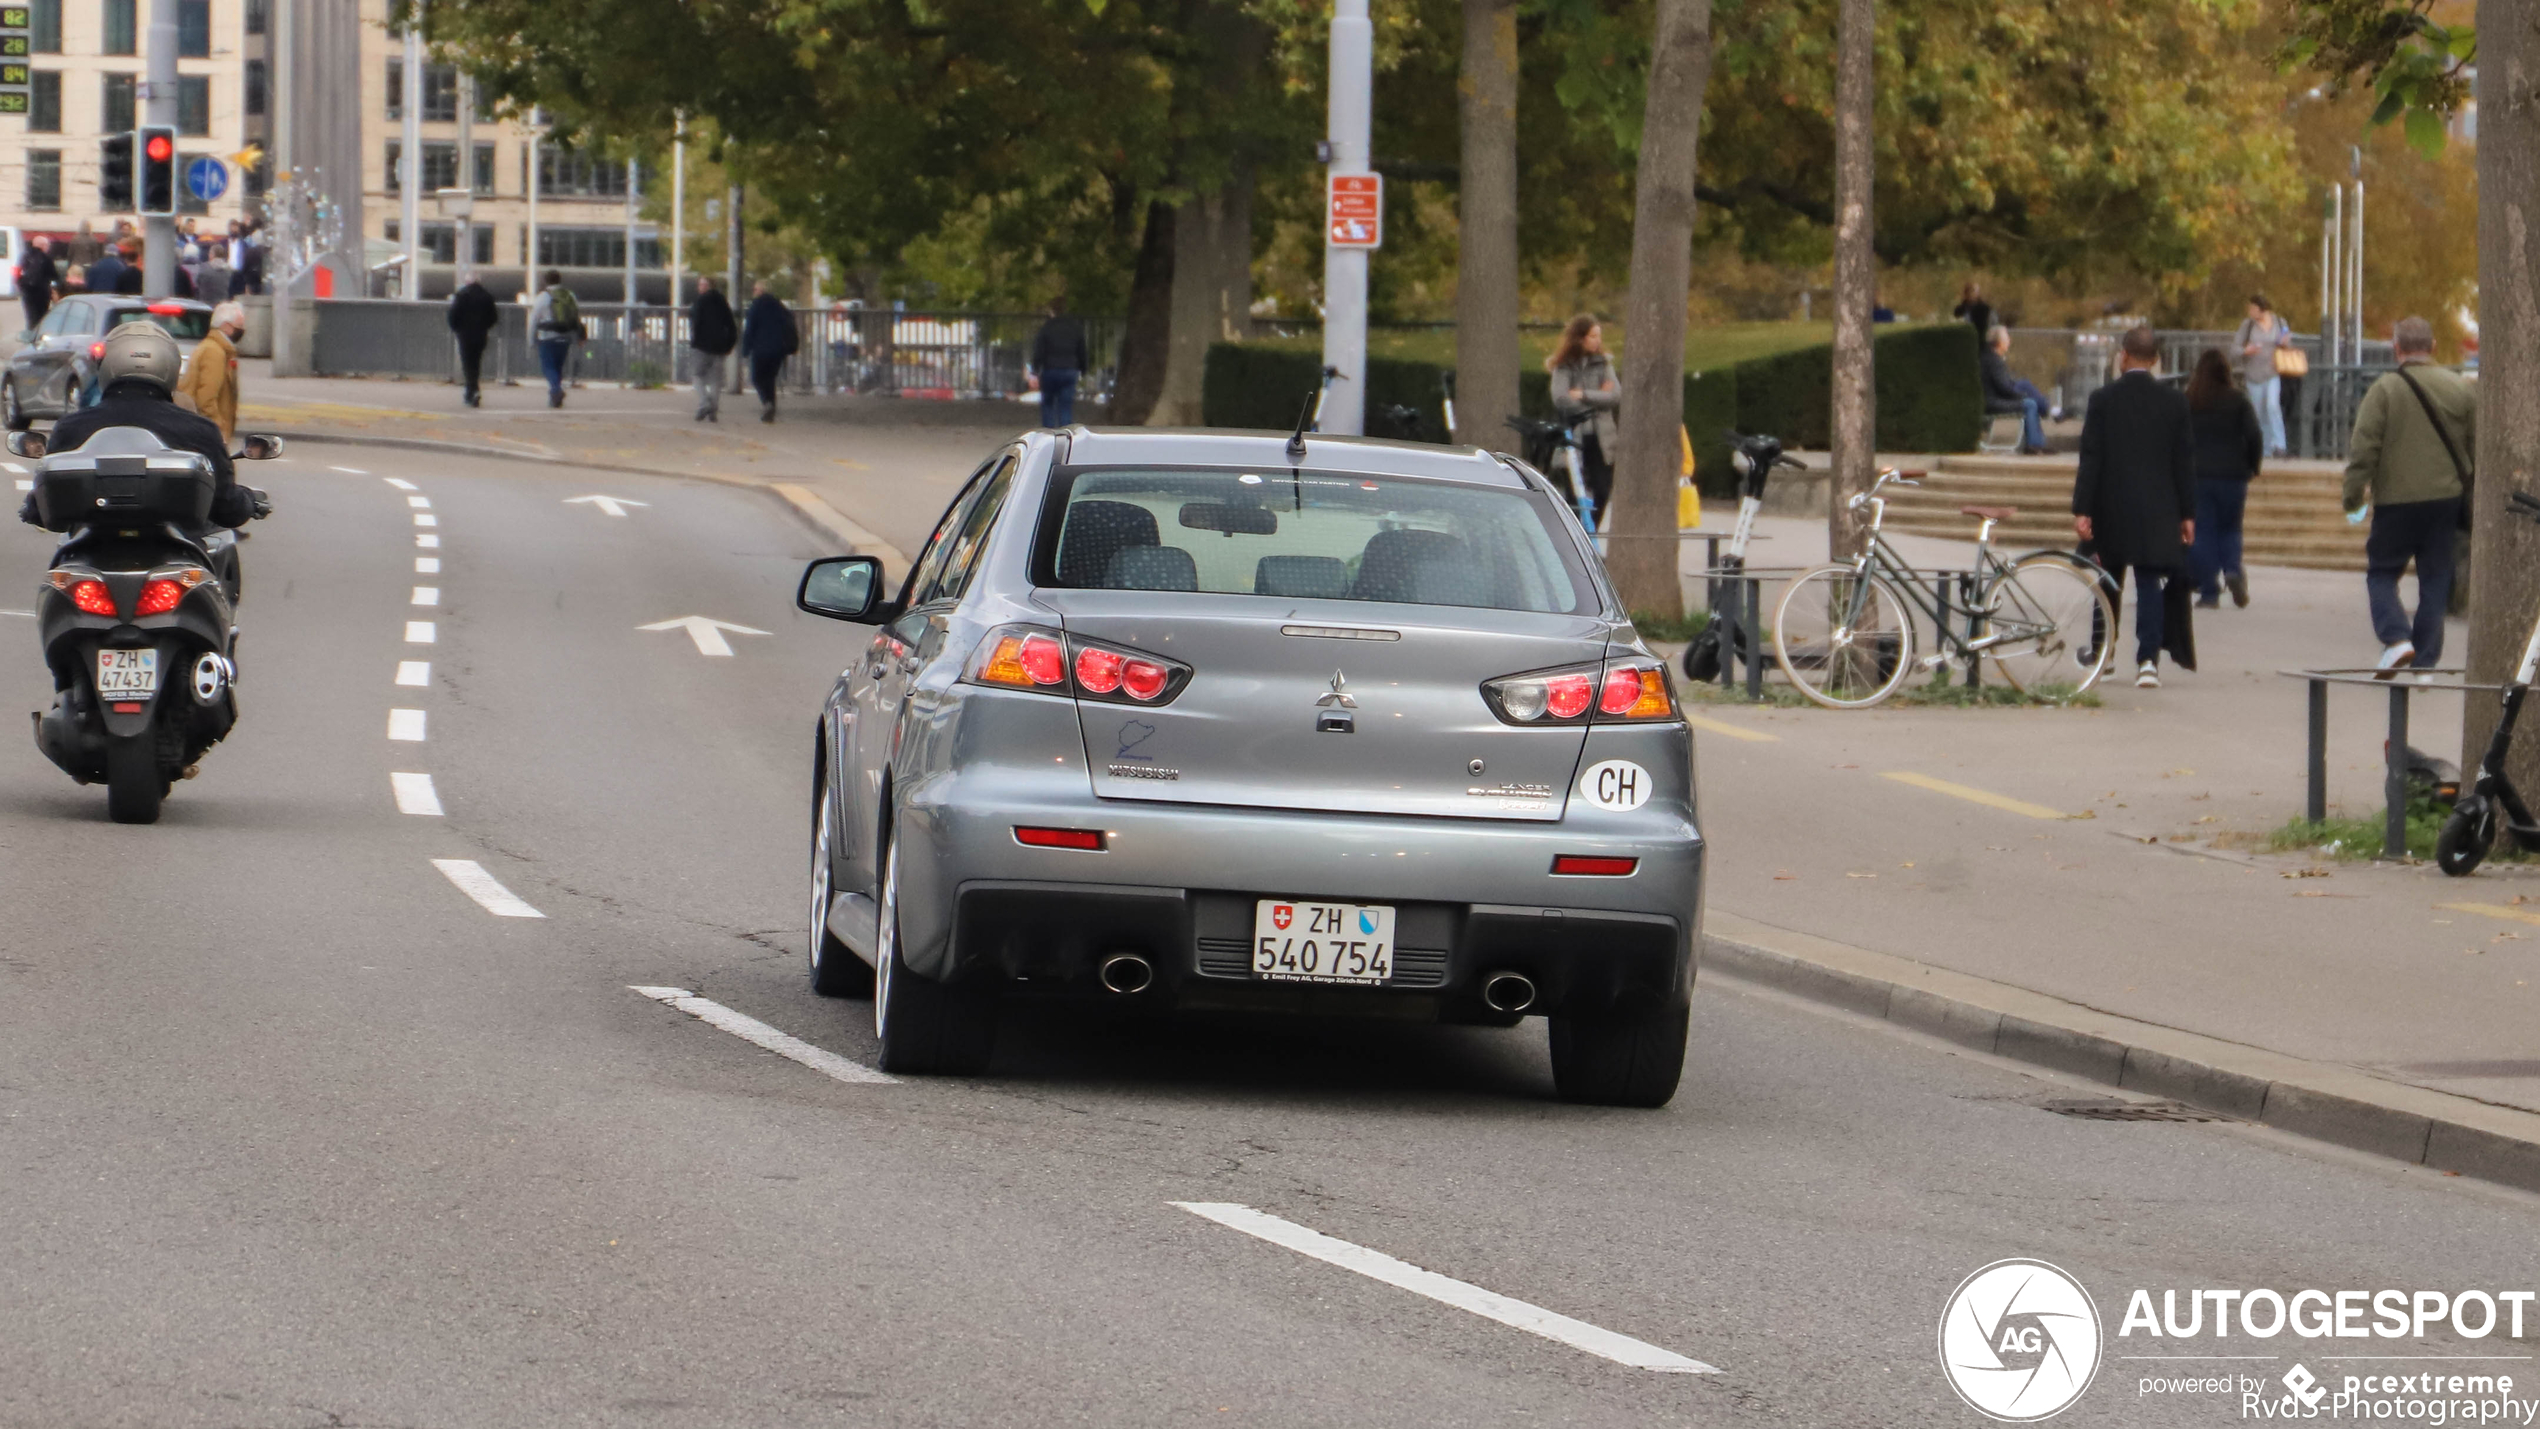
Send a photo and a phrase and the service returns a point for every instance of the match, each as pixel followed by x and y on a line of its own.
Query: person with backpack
pixel 2414 432
pixel 555 321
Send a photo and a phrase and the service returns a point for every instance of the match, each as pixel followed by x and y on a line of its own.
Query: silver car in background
pixel 1232 721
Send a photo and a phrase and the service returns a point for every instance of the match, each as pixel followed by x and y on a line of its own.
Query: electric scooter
pixel 2471 830
pixel 1753 459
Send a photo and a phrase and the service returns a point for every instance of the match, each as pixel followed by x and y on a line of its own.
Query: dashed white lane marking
pixel 1489 1304
pixel 26 483
pixel 426 518
pixel 406 725
pixel 13 466
pixel 29 614
pixel 476 883
pixel 356 471
pixel 415 794
pixel 414 672
pixel 757 1033
pixel 419 632
pixel 420 503
pixel 428 543
pixel 427 565
pixel 427 595
pixel 399 482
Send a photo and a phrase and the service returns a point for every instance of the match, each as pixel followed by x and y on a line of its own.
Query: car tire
pixel 835 969
pixel 926 1027
pixel 1624 1058
pixel 13 414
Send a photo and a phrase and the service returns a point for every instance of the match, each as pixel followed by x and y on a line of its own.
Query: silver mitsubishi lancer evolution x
pixel 1237 721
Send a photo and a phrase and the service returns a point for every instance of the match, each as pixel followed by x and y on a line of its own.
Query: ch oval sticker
pixel 1615 784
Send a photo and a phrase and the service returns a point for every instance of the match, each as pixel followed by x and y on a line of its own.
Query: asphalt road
pixel 294 1131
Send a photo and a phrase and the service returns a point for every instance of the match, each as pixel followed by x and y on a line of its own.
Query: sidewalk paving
pixel 2107 861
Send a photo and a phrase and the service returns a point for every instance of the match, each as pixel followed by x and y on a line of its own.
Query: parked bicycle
pixel 2471 830
pixel 1845 634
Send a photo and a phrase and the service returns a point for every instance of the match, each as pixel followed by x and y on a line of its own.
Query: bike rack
pixel 2394 778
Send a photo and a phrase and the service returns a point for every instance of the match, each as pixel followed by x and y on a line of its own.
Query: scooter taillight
pixel 91 596
pixel 159 597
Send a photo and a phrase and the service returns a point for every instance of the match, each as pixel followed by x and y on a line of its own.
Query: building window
pixel 485 169
pixel 572 173
pixel 118 110
pixel 440 241
pixel 256 17
pixel 440 94
pixel 44 102
pixel 194 104
pixel 440 166
pixel 255 88
pixel 44 180
pixel 194 29
pixel 122 37
pixel 395 89
pixel 186 202
pixel 46 23
pixel 593 248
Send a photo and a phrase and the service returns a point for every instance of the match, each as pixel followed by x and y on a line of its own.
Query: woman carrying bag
pixel 2267 353
pixel 1588 395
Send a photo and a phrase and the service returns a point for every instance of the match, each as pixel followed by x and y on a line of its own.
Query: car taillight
pixel 159 597
pixel 91 597
pixel 1589 866
pixel 1635 692
pixel 97 352
pixel 1024 659
pixel 1089 840
pixel 1615 691
pixel 1098 670
pixel 1144 679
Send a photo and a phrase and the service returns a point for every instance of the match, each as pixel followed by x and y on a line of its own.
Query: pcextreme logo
pixel 2019 1341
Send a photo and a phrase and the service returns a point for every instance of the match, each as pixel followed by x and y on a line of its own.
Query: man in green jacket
pixel 2411 452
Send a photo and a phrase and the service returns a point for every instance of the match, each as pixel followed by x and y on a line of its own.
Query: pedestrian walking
pixel 1973 310
pixel 105 273
pixel 2134 497
pixel 1587 395
pixel 2229 449
pixel 248 259
pixel 767 339
pixel 37 278
pixel 472 319
pixel 2410 458
pixel 710 340
pixel 555 321
pixel 210 383
pixel 2005 391
pixel 128 278
pixel 1059 360
pixel 2264 336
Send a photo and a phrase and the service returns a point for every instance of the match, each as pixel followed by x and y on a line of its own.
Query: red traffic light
pixel 159 148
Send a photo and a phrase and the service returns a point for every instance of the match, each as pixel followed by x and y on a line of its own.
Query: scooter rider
pixel 139 370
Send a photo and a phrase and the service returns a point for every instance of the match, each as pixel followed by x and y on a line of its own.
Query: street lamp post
pixel 1345 265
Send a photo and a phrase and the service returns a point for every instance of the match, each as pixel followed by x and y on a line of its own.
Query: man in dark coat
pixel 1058 360
pixel 711 338
pixel 36 277
pixel 106 274
pixel 128 278
pixel 767 339
pixel 2134 498
pixel 472 318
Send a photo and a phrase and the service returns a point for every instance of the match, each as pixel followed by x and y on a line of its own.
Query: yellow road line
pixel 1732 731
pixel 1976 796
pixel 2495 910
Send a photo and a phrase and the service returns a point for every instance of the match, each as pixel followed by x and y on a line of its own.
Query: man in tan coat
pixel 210 383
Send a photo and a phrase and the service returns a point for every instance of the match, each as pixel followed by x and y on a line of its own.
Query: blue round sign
pixel 206 178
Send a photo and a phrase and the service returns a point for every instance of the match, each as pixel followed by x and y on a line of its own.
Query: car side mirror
pixel 26 444
pixel 842 588
pixel 261 447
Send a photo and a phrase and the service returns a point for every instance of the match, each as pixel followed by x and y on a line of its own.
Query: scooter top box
pixel 124 476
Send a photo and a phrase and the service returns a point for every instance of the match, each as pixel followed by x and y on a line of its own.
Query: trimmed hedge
pixel 1265 387
pixel 1930 397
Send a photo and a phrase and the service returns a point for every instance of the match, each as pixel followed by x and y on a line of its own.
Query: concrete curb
pixel 804 502
pixel 2323 1100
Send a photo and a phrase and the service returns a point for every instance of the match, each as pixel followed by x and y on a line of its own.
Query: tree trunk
pixel 1486 247
pixel 1854 412
pixel 1212 292
pixel 1643 560
pixel 1147 334
pixel 2505 550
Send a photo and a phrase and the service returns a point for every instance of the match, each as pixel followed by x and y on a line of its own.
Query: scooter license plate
pixel 127 674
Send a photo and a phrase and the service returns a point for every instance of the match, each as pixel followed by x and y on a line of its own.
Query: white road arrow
pixel 613 505
pixel 707 633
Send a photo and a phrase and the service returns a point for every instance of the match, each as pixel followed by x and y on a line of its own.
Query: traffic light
pixel 158 170
pixel 114 174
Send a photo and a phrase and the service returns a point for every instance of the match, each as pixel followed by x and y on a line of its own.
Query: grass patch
pixel 1678 630
pixel 1933 695
pixel 2354 840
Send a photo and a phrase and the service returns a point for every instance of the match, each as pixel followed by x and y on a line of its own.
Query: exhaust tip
pixel 1508 992
pixel 1126 973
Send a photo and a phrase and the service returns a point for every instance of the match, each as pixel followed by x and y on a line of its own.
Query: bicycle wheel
pixel 2053 620
pixel 1843 638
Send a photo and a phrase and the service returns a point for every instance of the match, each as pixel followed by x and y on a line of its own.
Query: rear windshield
pixel 1321 535
pixel 183 324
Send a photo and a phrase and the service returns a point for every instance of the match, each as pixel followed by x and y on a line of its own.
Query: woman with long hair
pixel 1587 395
pixel 2230 443
pixel 2261 334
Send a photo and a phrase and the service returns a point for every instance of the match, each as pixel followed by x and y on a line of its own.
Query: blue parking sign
pixel 206 178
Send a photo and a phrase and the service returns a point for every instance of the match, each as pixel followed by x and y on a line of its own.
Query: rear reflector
pixel 1089 840
pixel 122 708
pixel 1585 866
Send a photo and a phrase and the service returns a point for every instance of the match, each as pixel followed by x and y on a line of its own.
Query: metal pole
pixel 1345 269
pixel 2355 261
pixel 630 242
pixel 285 77
pixel 537 181
pixel 2315 808
pixel 678 205
pixel 158 257
pixel 2394 779
pixel 410 160
pixel 732 277
pixel 2331 285
pixel 463 255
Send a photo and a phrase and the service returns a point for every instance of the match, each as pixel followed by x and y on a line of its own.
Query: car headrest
pixel 1096 532
pixel 1152 568
pixel 1314 577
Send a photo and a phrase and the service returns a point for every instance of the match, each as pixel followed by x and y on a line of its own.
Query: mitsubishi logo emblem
pixel 1340 697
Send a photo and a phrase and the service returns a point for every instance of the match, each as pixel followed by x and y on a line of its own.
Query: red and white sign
pixel 1356 213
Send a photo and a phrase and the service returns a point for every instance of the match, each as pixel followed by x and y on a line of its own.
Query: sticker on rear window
pixel 1615 784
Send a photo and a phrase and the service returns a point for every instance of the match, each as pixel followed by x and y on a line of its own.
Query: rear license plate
pixel 127 674
pixel 1322 942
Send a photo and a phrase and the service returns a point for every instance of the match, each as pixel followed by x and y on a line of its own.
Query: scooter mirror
pixel 261 447
pixel 842 588
pixel 26 444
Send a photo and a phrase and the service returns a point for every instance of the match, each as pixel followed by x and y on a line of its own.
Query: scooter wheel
pixel 133 785
pixel 2466 837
